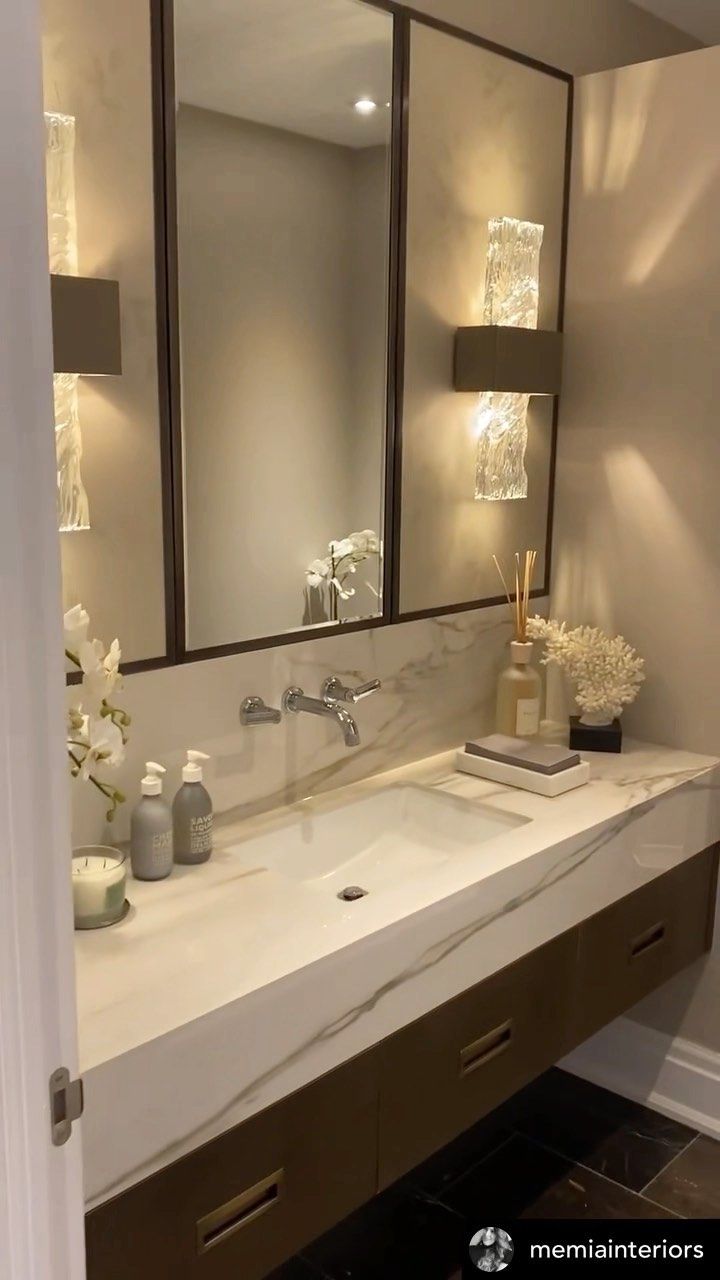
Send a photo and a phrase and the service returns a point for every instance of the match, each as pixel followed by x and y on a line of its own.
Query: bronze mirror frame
pixel 165 203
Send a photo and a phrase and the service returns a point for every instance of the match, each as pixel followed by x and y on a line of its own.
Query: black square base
pixel 595 737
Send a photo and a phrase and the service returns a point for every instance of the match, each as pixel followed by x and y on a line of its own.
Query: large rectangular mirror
pixel 283 162
pixel 487 180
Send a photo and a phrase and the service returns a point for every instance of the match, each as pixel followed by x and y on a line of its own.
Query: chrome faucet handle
pixel 290 697
pixel 253 710
pixel 334 689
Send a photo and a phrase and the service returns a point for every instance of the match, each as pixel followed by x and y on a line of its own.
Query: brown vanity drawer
pixel 639 942
pixel 239 1206
pixel 443 1072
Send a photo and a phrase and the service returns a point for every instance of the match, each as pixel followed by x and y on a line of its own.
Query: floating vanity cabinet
pixel 643 939
pixel 448 1069
pixel 243 1203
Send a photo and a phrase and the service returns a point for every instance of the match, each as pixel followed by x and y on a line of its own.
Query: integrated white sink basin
pixel 254 982
pixel 376 841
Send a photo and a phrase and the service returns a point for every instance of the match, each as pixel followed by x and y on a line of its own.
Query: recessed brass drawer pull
pixel 651 938
pixel 486 1048
pixel 239 1212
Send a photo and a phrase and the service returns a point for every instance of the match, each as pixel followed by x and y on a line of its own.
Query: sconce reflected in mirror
pixel 507 359
pixel 85 320
pixel 86 325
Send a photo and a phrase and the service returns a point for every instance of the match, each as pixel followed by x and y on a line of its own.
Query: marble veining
pixel 439 678
pixel 240 997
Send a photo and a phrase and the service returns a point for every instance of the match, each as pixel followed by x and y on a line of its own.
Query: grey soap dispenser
pixel 151 834
pixel 192 814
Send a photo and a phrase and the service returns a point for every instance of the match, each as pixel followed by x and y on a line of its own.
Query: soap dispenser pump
pixel 192 814
pixel 151 829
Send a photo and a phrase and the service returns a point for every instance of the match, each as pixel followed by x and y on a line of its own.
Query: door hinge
pixel 66 1105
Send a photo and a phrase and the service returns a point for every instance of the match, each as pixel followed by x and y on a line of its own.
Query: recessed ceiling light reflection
pixel 365 106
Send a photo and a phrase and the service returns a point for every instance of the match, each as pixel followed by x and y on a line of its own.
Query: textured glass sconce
pixel 73 511
pixel 86 320
pixel 507 358
pixel 511 298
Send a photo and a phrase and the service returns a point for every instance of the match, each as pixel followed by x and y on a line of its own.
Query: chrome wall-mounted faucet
pixel 253 710
pixel 334 689
pixel 295 700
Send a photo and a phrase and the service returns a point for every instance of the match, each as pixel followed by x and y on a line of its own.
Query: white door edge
pixel 41 1236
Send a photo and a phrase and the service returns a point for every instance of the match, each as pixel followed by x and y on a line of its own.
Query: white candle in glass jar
pixel 98 880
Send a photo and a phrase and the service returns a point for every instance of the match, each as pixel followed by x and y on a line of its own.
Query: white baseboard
pixel 672 1075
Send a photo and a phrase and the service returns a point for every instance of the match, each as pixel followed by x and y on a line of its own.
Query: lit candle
pixel 98 880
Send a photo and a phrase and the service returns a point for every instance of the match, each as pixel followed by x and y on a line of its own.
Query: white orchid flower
pixel 365 541
pixel 101 673
pixel 96 730
pixel 318 572
pixel 344 547
pixel 104 742
pixel 345 555
pixel 75 624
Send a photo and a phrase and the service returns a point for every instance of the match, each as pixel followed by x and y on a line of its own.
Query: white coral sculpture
pixel 606 671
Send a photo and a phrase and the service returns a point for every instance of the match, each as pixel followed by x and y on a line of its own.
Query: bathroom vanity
pixel 261 1056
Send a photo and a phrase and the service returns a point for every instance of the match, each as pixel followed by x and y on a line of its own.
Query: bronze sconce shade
pixel 86 325
pixel 495 357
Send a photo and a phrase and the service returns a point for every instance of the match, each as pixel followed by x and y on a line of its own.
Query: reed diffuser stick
pixel 520 602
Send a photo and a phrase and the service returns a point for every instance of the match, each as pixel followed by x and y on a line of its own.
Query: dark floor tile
pixel 691 1184
pixel 584 1194
pixel 454 1161
pixel 296 1269
pixel 524 1180
pixel 399 1234
pixel 621 1139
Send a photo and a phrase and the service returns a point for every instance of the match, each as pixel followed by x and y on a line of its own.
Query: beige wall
pixel 96 66
pixel 269 327
pixel 576 35
pixel 487 139
pixel 368 283
pixel 637 535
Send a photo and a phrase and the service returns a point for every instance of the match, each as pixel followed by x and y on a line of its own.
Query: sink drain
pixel 352 893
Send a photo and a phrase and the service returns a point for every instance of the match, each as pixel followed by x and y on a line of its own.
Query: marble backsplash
pixel 439 680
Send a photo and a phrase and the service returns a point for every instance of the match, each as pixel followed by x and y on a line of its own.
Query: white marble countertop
pixel 226 989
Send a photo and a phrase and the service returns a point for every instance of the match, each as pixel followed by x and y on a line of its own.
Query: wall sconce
pixel 86 325
pixel 85 319
pixel 507 359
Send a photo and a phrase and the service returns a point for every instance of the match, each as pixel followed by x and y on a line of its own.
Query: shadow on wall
pixel 617 155
pixel 638 543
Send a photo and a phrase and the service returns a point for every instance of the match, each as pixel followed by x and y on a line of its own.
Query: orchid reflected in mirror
pixel 331 576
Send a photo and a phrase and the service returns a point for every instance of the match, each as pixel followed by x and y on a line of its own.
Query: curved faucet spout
pixel 295 700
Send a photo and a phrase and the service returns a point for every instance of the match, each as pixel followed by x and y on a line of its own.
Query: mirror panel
pixel 487 139
pixel 283 228
pixel 99 162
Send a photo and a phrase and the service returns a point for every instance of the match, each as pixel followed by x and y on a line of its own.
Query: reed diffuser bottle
pixel 519 685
